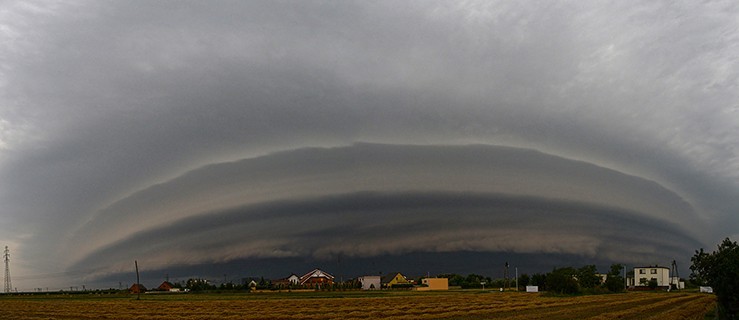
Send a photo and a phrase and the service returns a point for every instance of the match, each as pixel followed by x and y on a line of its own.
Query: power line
pixel 65 274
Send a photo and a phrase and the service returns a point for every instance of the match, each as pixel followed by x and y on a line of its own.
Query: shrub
pixel 563 281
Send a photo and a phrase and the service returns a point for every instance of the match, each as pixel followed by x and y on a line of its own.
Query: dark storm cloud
pixel 369 200
pixel 107 106
pixel 371 224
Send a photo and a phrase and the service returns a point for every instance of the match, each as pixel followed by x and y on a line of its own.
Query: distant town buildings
pixel 643 278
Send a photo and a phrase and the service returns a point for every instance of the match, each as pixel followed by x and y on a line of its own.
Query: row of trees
pixel 585 279
pixel 471 281
pixel 571 280
pixel 720 271
pixel 561 280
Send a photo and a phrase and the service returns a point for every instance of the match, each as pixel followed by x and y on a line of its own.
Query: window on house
pixel 642 271
pixel 654 271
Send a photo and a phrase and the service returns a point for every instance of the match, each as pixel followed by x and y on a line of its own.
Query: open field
pixel 361 305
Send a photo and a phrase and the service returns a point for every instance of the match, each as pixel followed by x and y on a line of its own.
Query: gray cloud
pixel 102 102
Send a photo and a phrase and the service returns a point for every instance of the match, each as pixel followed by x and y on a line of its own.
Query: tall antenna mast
pixel 6 256
pixel 674 277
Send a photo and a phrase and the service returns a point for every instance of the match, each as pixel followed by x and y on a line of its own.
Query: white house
pixel 292 280
pixel 370 282
pixel 643 275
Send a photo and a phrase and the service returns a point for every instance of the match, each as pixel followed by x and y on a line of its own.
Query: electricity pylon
pixel 8 285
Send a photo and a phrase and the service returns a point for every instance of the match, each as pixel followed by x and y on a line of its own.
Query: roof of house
pixel 315 273
pixel 652 267
pixel 166 285
pixel 287 279
pixel 141 287
pixel 390 276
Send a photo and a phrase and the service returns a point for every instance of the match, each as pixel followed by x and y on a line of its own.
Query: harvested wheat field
pixel 356 305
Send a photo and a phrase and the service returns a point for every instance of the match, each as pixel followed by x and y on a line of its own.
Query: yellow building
pixel 395 279
pixel 434 284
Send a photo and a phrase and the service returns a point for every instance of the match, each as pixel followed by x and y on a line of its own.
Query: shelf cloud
pixel 371 200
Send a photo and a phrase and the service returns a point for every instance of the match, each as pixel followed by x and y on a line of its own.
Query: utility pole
pixel 6 256
pixel 138 284
pixel 626 280
pixel 505 275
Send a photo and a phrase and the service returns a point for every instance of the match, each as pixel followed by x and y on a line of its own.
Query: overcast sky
pixel 182 133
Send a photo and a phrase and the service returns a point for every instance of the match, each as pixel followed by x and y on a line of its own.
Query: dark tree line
pixel 471 281
pixel 566 280
pixel 720 271
pixel 569 280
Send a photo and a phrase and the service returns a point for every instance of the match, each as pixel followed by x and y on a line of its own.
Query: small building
pixel 434 284
pixel 676 283
pixel 137 288
pixel 370 282
pixel 317 276
pixel 602 277
pixel 395 279
pixel 292 280
pixel 654 274
pixel 165 286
